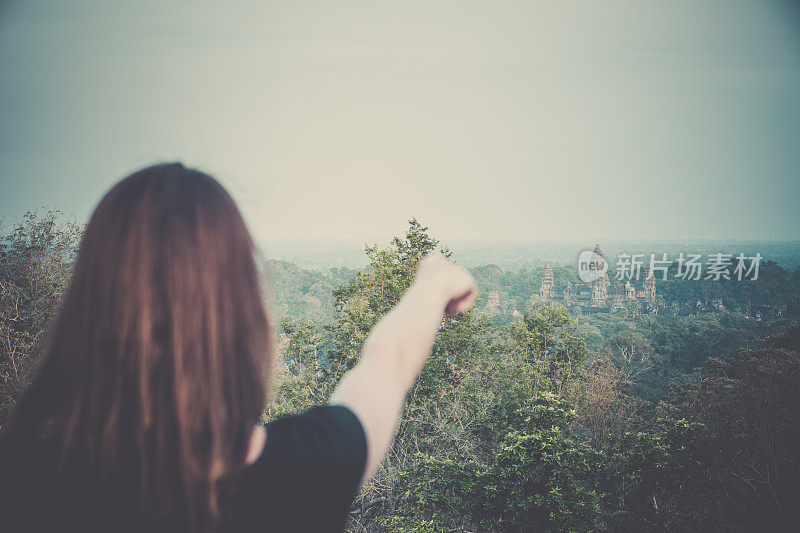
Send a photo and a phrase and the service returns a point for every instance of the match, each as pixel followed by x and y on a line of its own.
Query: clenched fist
pixel 452 283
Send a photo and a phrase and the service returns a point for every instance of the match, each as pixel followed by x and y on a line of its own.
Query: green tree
pixel 660 479
pixel 543 479
pixel 751 405
pixel 540 479
pixel 363 299
pixel 35 267
pixel 549 338
pixel 302 346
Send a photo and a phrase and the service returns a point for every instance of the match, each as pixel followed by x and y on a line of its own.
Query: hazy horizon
pixel 512 255
pixel 584 121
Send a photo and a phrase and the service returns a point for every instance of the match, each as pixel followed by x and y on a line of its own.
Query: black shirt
pixel 307 475
pixel 304 481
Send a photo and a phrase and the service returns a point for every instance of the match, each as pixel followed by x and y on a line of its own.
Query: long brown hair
pixel 155 371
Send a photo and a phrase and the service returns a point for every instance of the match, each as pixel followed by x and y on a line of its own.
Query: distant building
pixel 493 301
pixel 600 285
pixel 649 285
pixel 601 295
pixel 567 294
pixel 617 302
pixel 546 289
pixel 630 291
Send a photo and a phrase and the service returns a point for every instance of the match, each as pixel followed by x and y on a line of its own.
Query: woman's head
pixel 155 370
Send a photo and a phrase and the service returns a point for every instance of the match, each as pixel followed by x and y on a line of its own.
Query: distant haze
pixel 339 121
pixel 514 254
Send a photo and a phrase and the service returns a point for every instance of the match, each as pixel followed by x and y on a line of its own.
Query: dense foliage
pixel 303 294
pixel 35 264
pixel 525 425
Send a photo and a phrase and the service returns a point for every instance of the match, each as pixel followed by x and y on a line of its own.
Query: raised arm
pixel 396 351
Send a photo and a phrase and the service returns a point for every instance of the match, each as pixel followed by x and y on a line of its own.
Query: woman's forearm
pixel 403 339
pixel 397 349
pixel 393 355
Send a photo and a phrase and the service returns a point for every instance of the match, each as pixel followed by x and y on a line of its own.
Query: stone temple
pixel 602 294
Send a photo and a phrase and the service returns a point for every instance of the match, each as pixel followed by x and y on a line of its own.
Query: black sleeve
pixel 307 475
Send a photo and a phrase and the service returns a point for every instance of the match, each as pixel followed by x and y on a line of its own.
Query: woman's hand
pixel 455 285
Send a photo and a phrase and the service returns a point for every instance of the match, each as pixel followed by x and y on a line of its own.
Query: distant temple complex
pixel 630 297
pixel 602 294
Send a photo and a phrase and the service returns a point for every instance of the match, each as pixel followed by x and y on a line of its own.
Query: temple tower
pixel 568 295
pixel 493 302
pixel 617 302
pixel 649 285
pixel 600 285
pixel 546 289
pixel 630 291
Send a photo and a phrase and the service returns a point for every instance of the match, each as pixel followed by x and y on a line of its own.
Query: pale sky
pixel 485 120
